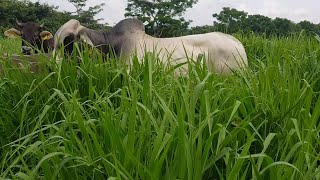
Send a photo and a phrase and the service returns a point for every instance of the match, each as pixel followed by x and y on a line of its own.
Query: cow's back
pixel 223 52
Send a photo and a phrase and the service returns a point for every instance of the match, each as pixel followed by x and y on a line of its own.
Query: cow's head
pixel 32 35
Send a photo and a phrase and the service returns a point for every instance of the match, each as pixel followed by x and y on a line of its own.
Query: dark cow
pixel 224 52
pixel 33 36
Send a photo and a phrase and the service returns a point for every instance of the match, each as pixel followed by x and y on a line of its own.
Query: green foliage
pixel 24 11
pixel 308 26
pixel 27 11
pixel 9 46
pixel 260 24
pixel 231 20
pixel 162 18
pixel 96 121
pixel 284 26
pixel 202 29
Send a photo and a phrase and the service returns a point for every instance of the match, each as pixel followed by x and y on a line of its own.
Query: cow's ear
pixel 12 33
pixel 45 35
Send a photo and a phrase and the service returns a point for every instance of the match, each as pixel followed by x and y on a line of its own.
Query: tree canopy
pixel 24 10
pixel 163 18
pixel 86 17
pixel 231 20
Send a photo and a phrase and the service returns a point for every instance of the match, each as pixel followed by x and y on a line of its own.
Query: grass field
pixel 101 123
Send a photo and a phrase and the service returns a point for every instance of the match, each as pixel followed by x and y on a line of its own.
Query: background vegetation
pixel 26 11
pixel 162 18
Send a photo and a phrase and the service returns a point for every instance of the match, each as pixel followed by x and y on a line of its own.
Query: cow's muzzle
pixel 26 50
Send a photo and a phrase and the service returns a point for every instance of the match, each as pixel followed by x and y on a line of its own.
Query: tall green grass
pixel 9 46
pixel 96 121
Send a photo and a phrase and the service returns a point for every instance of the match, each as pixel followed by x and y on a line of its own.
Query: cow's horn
pixel 18 23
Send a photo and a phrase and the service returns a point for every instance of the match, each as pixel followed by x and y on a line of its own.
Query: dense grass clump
pixel 95 121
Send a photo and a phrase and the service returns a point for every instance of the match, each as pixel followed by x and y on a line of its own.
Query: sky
pixel 201 13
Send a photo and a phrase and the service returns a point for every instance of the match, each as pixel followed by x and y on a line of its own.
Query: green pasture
pixel 95 121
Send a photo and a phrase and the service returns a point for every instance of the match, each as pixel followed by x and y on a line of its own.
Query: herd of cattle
pixel 224 53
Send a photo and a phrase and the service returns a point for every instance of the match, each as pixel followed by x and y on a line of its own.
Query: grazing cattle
pixel 33 36
pixel 223 52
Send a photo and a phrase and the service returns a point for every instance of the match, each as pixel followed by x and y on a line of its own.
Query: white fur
pixel 223 52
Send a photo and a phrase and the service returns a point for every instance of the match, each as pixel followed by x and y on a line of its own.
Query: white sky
pixel 201 13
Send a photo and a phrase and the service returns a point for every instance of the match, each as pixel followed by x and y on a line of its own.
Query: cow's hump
pixel 128 26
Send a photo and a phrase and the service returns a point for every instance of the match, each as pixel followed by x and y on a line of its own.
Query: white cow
pixel 223 52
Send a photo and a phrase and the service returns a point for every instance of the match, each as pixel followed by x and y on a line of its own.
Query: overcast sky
pixel 201 13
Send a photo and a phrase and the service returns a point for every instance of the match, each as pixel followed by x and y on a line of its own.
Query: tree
pixel 260 24
pixel 25 11
pixel 86 17
pixel 308 26
pixel 78 4
pixel 230 20
pixel 284 26
pixel 163 18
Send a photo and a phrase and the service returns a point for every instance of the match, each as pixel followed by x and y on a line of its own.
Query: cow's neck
pixel 105 41
pixel 98 37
